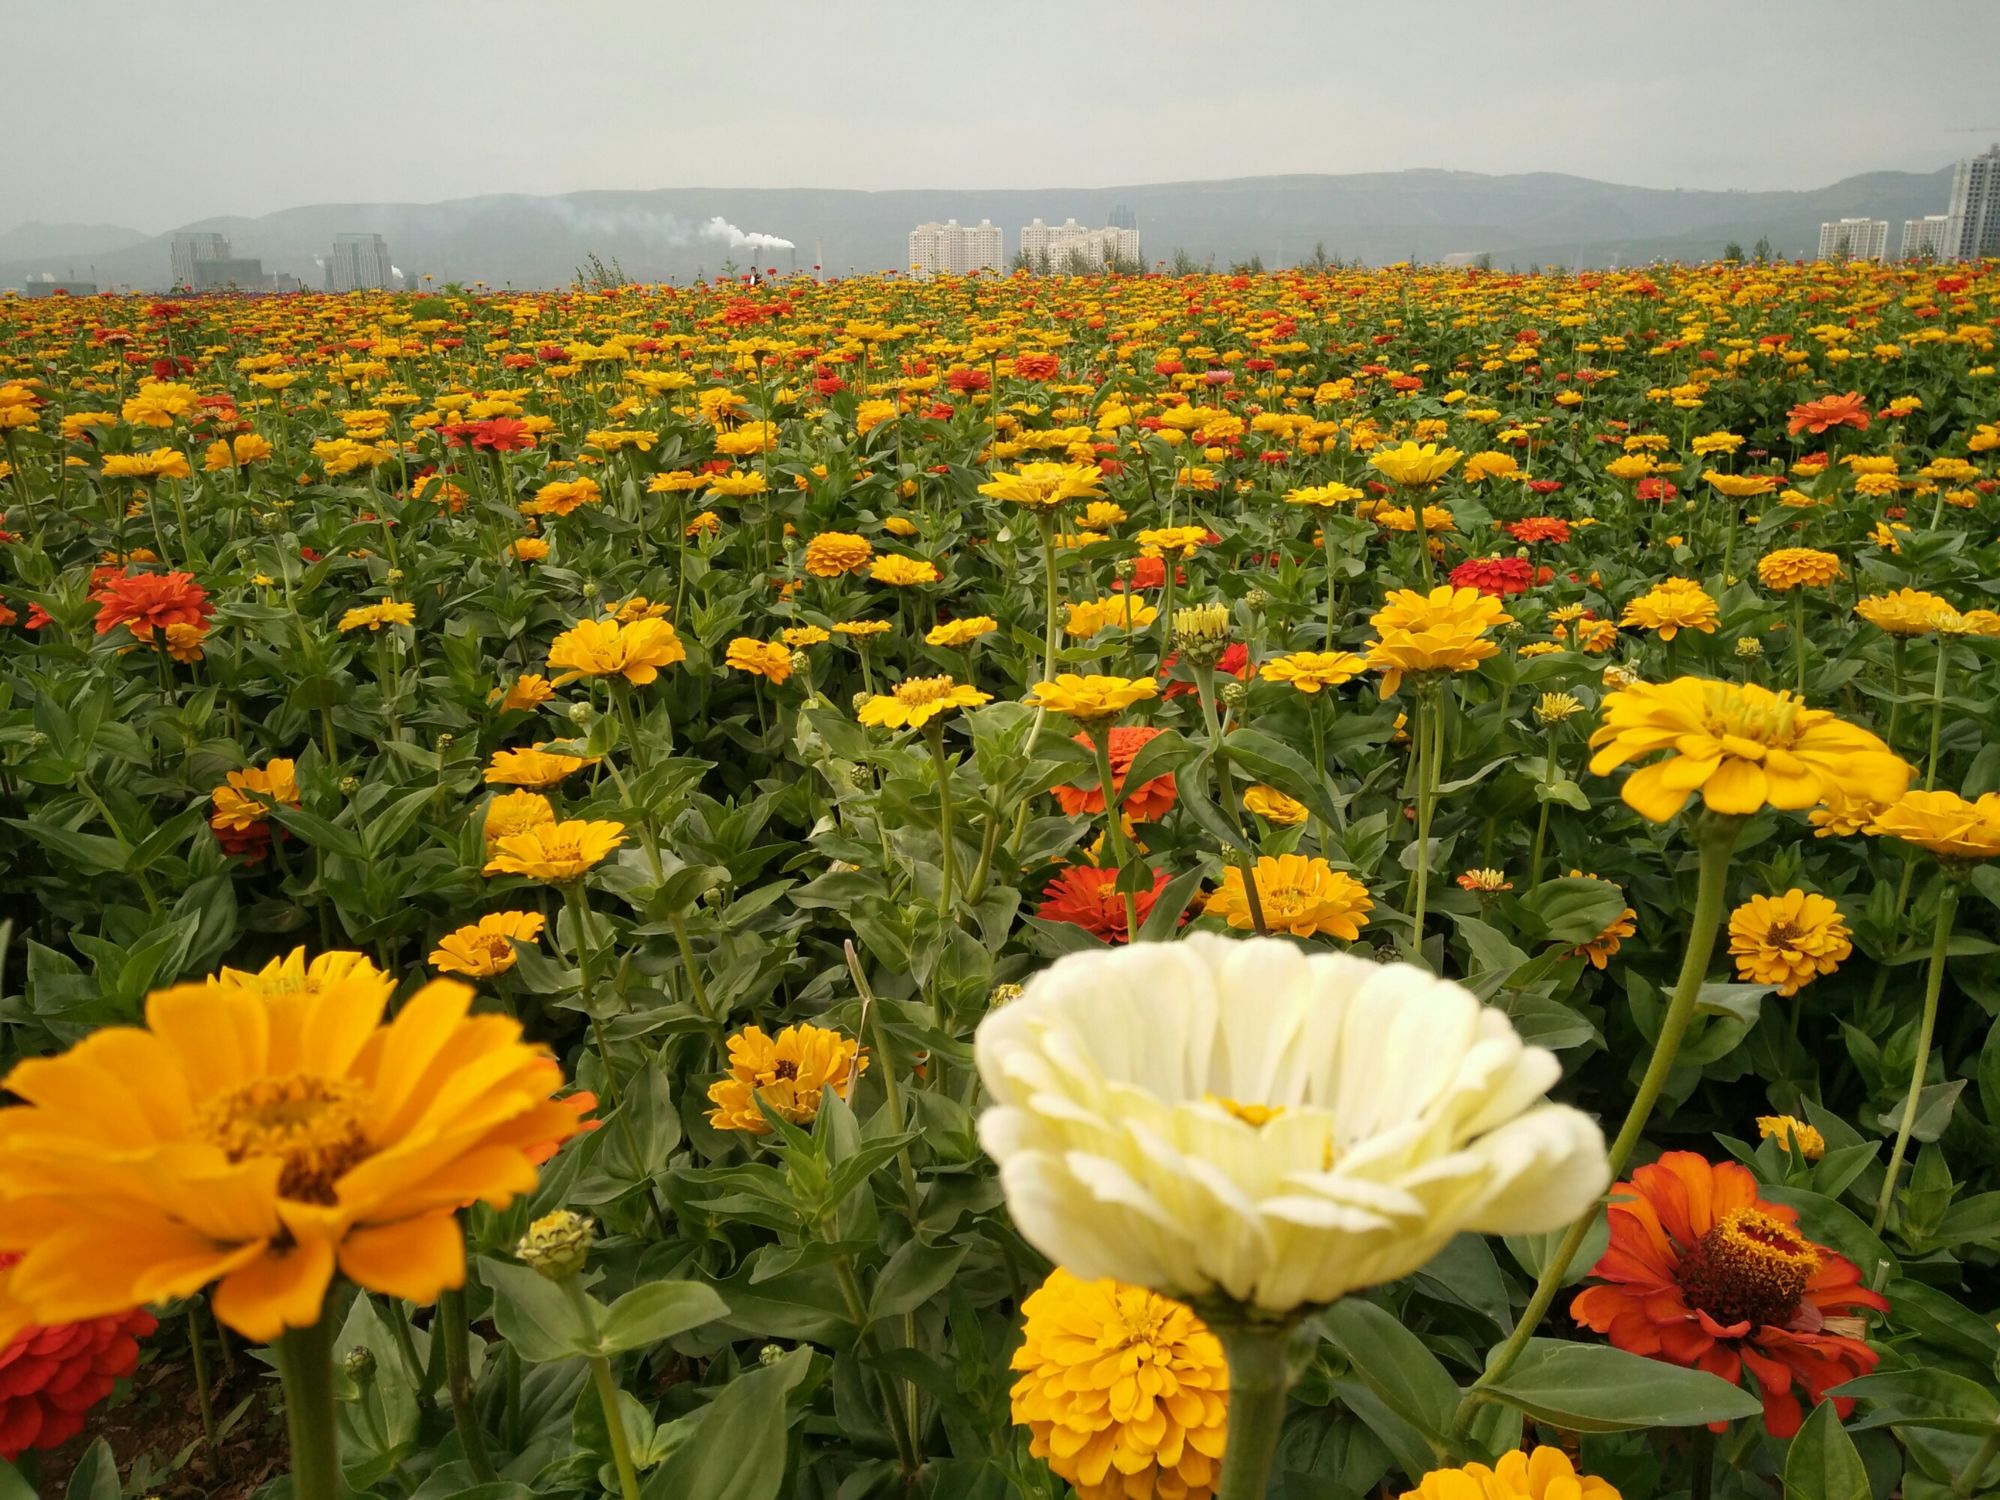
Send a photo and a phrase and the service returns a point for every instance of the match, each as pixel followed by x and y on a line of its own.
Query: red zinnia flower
pixel 1036 366
pixel 1147 802
pixel 1829 411
pixel 1700 1272
pixel 1087 897
pixel 50 1377
pixel 1497 576
pixel 1658 489
pixel 150 601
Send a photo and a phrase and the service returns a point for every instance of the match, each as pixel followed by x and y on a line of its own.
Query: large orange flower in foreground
pixel 260 1136
pixel 1741 746
pixel 1701 1272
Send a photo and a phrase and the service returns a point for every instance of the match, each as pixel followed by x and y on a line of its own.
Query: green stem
pixel 857 1311
pixel 305 1361
pixel 1967 1482
pixel 934 734
pixel 1542 821
pixel 451 1327
pixel 1430 746
pixel 118 835
pixel 1253 898
pixel 1715 838
pixel 1933 986
pixel 1799 641
pixel 1937 711
pixel 1897 651
pixel 198 1349
pixel 406 1350
pixel 614 1427
pixel 1258 1381
pixel 1114 823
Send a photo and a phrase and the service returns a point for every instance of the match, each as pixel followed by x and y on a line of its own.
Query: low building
pixel 185 252
pixel 1854 239
pixel 1925 238
pixel 48 286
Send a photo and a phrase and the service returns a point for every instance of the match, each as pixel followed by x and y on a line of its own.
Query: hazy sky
pixel 155 114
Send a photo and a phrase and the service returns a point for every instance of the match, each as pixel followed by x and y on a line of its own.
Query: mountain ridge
pixel 527 240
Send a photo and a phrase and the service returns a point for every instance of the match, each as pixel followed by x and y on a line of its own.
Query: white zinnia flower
pixel 1214 1117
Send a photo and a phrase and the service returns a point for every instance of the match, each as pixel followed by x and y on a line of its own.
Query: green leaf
pixel 96 1476
pixel 13 1486
pixel 1271 761
pixel 1922 1398
pixel 649 1314
pixel 739 1450
pixel 533 1313
pixel 1393 1363
pixel 1575 909
pixel 915 1273
pixel 1823 1463
pixel 1595 1388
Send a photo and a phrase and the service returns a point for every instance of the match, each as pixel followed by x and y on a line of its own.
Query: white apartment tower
pixel 1854 239
pixel 1924 239
pixel 1972 230
pixel 359 263
pixel 955 249
pixel 185 250
pixel 1070 246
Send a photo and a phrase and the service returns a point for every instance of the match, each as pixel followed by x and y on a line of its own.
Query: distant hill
pixel 60 245
pixel 1528 219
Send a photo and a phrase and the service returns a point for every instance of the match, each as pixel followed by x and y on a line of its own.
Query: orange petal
pixel 280 1289
pixel 415 1259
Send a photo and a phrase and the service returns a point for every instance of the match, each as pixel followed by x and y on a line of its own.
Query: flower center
pixel 784 1069
pixel 1772 721
pixel 1250 1114
pixel 311 1124
pixel 1750 1268
pixel 917 691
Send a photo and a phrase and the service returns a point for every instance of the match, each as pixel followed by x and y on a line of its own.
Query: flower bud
pixel 395 575
pixel 581 714
pixel 1234 694
pixel 349 785
pixel 444 742
pixel 770 1354
pixel 1002 994
pixel 557 1244
pixel 1556 708
pixel 801 662
pixel 1201 633
pixel 590 588
pixel 1748 646
pixel 1257 601
pixel 359 1364
pixel 861 701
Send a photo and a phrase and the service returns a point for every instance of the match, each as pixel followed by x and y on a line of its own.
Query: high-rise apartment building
pixel 1854 239
pixel 1070 246
pixel 1924 239
pixel 1972 230
pixel 359 263
pixel 186 251
pixel 955 249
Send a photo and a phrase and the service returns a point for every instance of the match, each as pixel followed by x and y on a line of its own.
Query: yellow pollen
pixel 1750 1268
pixel 917 691
pixel 1258 1115
pixel 309 1123
pixel 1773 723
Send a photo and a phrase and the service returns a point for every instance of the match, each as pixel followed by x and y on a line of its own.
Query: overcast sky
pixel 151 115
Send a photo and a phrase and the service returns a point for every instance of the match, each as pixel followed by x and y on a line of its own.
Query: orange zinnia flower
pixel 150 601
pixel 1829 411
pixel 1702 1273
pixel 1087 897
pixel 1150 800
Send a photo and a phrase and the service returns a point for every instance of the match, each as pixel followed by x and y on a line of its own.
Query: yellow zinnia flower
pixel 555 853
pixel 1797 567
pixel 514 812
pixel 605 648
pixel 1091 699
pixel 535 768
pixel 1442 631
pixel 903 572
pixel 1309 671
pixel 560 497
pixel 259 1140
pixel 528 691
pixel 1906 611
pixel 1273 806
pixel 833 553
pixel 245 798
pixel 1743 747
pixel 1413 465
pixel 375 616
pixel 1673 605
pixel 1788 940
pixel 915 701
pixel 1298 895
pixel 486 947
pixel 961 632
pixel 1545 1474
pixel 1125 611
pixel 1943 822
pixel 1040 486
pixel 161 463
pixel 1122 1391
pixel 767 659
pixel 789 1072
pixel 1789 1132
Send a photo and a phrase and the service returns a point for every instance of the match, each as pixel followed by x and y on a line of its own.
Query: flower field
pixel 1340 885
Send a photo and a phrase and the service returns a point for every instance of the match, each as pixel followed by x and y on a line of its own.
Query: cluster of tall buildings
pixel 952 248
pixel 1969 229
pixel 207 263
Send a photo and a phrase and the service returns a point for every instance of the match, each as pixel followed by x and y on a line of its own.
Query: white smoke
pixel 719 228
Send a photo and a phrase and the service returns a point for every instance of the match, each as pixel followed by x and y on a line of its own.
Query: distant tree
pixel 1183 263
pixel 595 276
pixel 1076 262
pixel 1019 262
pixel 1732 251
pixel 1843 248
pixel 1123 265
pixel 1254 266
pixel 1762 250
pixel 1321 260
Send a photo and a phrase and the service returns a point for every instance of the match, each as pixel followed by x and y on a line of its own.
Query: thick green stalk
pixel 1967 1483
pixel 1799 641
pixel 1937 711
pixel 1926 1028
pixel 614 1427
pixel 451 1327
pixel 198 1351
pixel 305 1361
pixel 934 734
pixel 1716 840
pixel 1258 1381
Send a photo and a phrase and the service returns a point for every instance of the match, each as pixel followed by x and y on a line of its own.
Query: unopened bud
pixel 1201 633
pixel 395 575
pixel 1003 994
pixel 801 662
pixel 1749 646
pixel 557 1244
pixel 349 785
pixel 770 1354
pixel 359 1363
pixel 445 741
pixel 590 589
pixel 580 714
pixel 1555 708
pixel 1256 601
pixel 861 701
